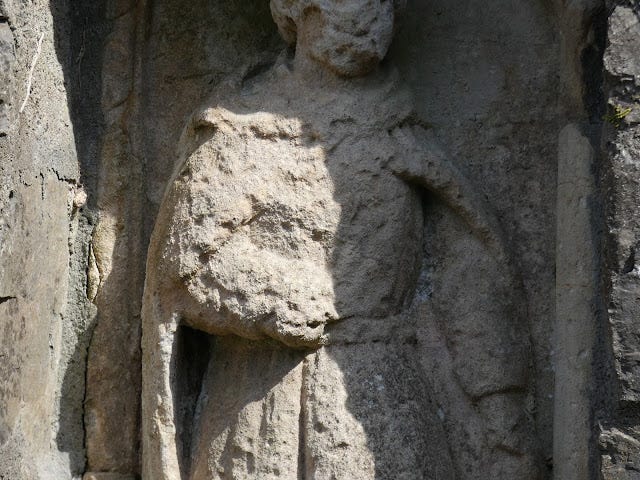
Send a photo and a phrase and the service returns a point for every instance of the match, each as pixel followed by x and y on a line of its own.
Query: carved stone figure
pixel 303 315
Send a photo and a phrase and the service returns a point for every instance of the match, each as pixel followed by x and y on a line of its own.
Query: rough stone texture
pixel 150 48
pixel 44 314
pixel 283 218
pixel 107 476
pixel 285 222
pixel 620 423
pixel 95 147
pixel 7 59
pixel 349 38
pixel 496 110
pixel 576 281
pixel 113 369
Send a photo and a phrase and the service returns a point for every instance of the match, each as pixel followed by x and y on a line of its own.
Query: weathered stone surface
pixel 388 382
pixel 249 426
pixel 44 316
pixel 283 222
pixel 622 58
pixel 7 59
pixel 619 421
pixel 133 177
pixel 576 278
pixel 497 112
pixel 113 371
pixel 350 38
pixel 107 476
pixel 622 454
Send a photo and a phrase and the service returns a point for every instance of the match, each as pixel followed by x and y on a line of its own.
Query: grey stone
pixel 282 222
pixel 44 316
pixel 5 8
pixel 576 272
pixel 107 476
pixel 618 419
pixel 449 369
pixel 622 57
pixel 350 38
pixel 7 60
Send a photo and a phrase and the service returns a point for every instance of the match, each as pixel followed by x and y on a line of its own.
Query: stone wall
pixel 94 97
pixel 45 223
pixel 618 421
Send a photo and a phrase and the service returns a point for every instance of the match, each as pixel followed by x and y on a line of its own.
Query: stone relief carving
pixel 327 296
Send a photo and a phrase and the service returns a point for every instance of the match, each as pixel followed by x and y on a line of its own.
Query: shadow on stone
pixel 79 29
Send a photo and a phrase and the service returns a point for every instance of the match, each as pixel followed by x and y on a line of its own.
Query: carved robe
pixel 296 233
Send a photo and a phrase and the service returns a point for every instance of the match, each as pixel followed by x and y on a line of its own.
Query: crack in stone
pixel 5 299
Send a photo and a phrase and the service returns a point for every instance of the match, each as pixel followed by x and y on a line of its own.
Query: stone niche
pixel 319 239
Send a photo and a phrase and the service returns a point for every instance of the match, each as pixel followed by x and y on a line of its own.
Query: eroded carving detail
pixel 294 233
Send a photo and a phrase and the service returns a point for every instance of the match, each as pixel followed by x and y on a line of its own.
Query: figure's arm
pixel 419 161
pixel 476 301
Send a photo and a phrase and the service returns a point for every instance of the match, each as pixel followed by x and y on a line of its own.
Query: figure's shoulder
pixel 262 109
pixel 227 120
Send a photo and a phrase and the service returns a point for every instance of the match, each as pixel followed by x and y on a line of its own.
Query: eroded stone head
pixel 350 37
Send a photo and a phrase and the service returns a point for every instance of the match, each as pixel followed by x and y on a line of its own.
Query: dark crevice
pixel 256 71
pixel 192 355
pixel 592 58
pixel 630 263
pixel 6 299
pixel 302 440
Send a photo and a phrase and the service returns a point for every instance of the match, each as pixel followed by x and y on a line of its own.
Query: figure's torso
pixel 286 220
